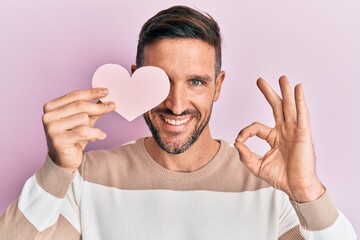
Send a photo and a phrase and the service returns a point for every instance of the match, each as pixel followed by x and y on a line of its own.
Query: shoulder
pixel 102 166
pixel 101 157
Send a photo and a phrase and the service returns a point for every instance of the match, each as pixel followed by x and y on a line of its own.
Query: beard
pixel 180 143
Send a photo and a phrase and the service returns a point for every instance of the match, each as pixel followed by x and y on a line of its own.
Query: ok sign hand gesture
pixel 290 163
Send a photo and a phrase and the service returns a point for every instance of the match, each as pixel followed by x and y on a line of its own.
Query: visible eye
pixel 196 82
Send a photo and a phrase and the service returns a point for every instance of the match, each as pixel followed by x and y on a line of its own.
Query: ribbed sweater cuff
pixel 53 179
pixel 316 215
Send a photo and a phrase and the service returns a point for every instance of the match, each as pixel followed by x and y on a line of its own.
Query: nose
pixel 176 100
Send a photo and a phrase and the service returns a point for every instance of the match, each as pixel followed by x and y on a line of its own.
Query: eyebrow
pixel 200 77
pixel 205 78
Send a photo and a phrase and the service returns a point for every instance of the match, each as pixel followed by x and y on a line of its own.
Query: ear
pixel 218 83
pixel 133 68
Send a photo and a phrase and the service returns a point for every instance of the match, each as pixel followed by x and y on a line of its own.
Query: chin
pixel 175 146
pixel 174 142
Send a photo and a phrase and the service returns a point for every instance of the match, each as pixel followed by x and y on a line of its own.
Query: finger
pixel 79 135
pixel 248 158
pixel 73 108
pixel 80 95
pixel 82 133
pixel 67 124
pixel 274 100
pixel 288 100
pixel 303 119
pixel 94 119
pixel 255 129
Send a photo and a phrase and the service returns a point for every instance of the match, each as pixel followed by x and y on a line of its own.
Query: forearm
pixel 37 214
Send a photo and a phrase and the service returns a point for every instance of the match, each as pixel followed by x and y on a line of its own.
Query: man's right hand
pixel 68 122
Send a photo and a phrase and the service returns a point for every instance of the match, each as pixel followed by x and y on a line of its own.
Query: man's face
pixel 181 118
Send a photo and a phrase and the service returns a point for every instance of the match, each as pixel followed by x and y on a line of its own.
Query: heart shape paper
pixel 134 95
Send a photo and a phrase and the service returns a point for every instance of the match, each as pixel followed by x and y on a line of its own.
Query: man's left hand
pixel 290 163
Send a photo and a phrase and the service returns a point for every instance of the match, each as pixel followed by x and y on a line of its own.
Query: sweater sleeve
pixel 320 220
pixel 47 207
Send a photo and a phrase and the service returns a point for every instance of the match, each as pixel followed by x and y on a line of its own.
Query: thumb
pixel 244 151
pixel 247 157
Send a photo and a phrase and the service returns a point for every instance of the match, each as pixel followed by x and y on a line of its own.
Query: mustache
pixel 184 113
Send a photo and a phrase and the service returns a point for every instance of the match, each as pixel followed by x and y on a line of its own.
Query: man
pixel 180 183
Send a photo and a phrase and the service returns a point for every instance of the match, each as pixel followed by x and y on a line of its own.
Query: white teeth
pixel 176 122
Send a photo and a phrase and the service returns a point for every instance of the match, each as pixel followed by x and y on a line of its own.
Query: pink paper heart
pixel 134 95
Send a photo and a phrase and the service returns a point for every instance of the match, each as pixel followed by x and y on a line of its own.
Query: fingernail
pixel 104 91
pixel 110 105
pixel 104 135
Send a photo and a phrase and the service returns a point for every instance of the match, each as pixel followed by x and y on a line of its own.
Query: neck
pixel 198 155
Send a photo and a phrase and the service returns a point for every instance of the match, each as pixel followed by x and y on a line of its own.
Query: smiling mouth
pixel 176 122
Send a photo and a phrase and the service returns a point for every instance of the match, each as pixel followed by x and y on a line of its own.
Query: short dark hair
pixel 180 22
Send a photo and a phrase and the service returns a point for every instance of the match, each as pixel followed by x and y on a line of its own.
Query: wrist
pixel 307 194
pixel 55 160
pixel 53 179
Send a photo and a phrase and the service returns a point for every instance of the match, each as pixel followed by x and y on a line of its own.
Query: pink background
pixel 48 48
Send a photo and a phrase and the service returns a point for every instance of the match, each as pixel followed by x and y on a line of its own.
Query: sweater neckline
pixel 203 172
